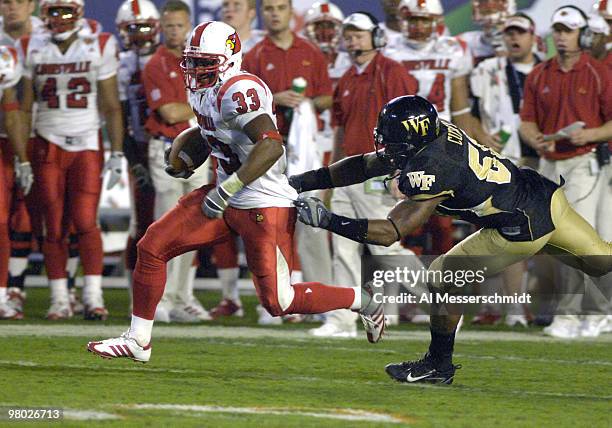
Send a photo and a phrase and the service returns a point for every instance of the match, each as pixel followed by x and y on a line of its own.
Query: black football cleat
pixel 421 371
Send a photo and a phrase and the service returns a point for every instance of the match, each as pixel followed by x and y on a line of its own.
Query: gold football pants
pixel 574 242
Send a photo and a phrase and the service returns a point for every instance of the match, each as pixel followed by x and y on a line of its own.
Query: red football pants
pixel 69 186
pixel 268 239
pixel 5 243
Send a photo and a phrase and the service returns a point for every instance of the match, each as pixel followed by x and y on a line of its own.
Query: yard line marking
pixel 216 331
pixel 341 414
pixel 88 415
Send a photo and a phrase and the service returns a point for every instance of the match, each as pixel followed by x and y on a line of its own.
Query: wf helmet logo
pixel 233 43
pixel 418 124
pixel 421 180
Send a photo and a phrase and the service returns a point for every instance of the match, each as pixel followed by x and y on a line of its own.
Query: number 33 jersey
pixel 65 86
pixel 222 112
pixel 482 187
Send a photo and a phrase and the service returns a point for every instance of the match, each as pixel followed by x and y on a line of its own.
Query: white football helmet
pixel 213 52
pixel 138 25
pixel 431 9
pixel 604 8
pixel 323 23
pixel 492 12
pixel 62 18
pixel 10 67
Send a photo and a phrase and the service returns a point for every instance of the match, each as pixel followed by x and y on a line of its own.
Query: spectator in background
pixel 391 26
pixel 601 33
pixel 240 14
pixel 65 70
pixel 280 58
pixel 372 81
pixel 572 87
pixel 138 25
pixel 171 114
pixel 17 21
pixel 497 84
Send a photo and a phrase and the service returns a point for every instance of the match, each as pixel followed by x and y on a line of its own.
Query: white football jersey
pixel 480 47
pixel 222 112
pixel 66 86
pixel 435 65
pixel 131 89
pixel 7 40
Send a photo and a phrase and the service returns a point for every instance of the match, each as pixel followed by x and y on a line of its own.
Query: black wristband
pixel 355 229
pixel 314 180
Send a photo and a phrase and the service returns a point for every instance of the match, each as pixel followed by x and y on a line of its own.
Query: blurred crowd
pixel 547 110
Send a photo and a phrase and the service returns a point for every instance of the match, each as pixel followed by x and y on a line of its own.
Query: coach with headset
pixel 367 85
pixel 574 87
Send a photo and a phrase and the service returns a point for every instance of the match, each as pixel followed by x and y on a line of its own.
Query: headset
pixel 585 38
pixel 379 39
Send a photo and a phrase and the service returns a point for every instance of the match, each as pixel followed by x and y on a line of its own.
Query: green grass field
pixel 236 374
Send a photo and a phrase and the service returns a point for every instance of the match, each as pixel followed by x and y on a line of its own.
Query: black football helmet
pixel 405 125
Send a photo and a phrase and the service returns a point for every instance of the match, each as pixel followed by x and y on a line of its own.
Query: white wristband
pixel 232 185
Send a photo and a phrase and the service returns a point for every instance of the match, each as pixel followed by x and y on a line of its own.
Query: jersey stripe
pixel 233 80
pixel 103 39
pixel 197 35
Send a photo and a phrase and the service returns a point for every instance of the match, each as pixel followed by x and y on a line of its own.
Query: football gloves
pixel 114 165
pixel 184 173
pixel 23 173
pixel 312 211
pixel 141 175
pixel 217 199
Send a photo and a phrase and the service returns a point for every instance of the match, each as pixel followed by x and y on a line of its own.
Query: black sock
pixel 16 281
pixel 441 348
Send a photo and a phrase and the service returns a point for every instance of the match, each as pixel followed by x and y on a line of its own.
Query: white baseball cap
pixel 569 16
pixel 599 25
pixel 360 21
pixel 518 21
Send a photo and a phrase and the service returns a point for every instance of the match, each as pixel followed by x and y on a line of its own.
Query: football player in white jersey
pixel 253 198
pixel 139 30
pixel 64 70
pixel 13 141
pixel 441 64
pixel 490 16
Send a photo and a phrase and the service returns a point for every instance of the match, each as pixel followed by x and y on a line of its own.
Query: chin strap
pixel 62 37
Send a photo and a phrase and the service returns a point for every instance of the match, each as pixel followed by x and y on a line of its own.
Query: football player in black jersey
pixel 441 169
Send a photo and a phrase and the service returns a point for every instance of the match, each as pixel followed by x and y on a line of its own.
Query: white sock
pixel 297 277
pixel 357 302
pixel 59 289
pixel 72 266
pixel 17 265
pixel 2 293
pixel 141 329
pixel 92 288
pixel 229 283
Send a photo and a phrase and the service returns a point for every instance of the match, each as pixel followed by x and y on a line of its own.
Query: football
pixel 193 153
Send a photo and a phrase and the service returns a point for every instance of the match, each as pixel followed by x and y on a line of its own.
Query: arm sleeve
pixel 399 82
pixel 605 97
pixel 322 84
pixel 337 115
pixel 243 101
pixel 426 178
pixel 110 56
pixel 462 64
pixel 158 88
pixel 528 110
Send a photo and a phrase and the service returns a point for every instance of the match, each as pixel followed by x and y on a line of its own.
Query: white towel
pixel 302 151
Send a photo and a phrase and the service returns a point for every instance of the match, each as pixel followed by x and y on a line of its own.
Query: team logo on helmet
pixel 233 43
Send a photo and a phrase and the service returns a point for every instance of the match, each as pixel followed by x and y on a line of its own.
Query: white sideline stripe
pixel 342 414
pixel 216 331
pixel 88 415
pixel 23 363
